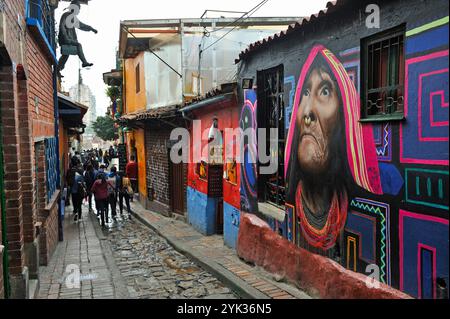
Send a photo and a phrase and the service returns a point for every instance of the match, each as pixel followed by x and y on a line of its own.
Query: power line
pixel 240 18
pixel 153 52
pixel 248 14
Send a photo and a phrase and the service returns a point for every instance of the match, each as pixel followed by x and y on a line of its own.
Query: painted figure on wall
pixel 328 150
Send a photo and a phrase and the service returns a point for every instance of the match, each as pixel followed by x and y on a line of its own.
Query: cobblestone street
pixel 126 261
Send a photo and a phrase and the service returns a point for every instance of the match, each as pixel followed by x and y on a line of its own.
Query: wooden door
pixel 177 196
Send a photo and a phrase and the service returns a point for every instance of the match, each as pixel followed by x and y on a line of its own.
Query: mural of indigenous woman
pixel 328 150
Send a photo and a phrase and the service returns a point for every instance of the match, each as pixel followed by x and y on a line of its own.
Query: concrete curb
pixel 240 287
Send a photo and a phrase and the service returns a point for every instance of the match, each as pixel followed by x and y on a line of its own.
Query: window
pixel 383 75
pixel 271 113
pixel 138 78
pixel 39 13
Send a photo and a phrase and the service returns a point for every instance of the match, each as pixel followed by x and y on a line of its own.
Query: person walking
pixel 78 190
pixel 125 191
pixel 106 160
pixel 112 191
pixel 131 170
pixel 89 178
pixel 100 191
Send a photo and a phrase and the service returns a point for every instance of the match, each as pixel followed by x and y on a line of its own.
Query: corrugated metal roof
pixel 160 112
pixel 330 7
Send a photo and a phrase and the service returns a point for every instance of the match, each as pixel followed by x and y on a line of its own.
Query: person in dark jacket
pixel 78 190
pixel 89 178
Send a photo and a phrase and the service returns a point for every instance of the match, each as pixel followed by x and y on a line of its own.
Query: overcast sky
pixel 105 16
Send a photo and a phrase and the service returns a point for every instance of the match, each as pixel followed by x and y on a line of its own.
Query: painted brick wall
pixel 404 230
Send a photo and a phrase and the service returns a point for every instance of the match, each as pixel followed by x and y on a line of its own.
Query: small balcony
pixel 40 20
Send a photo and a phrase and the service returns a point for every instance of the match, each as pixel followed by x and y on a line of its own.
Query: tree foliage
pixel 104 128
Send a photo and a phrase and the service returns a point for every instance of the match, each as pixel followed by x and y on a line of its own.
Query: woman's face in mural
pixel 316 119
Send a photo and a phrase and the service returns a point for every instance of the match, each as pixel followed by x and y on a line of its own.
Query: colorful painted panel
pixel 424 253
pixel 424 137
pixel 249 175
pixel 370 221
pixel 427 187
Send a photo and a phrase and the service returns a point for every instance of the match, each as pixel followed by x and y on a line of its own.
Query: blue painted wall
pixel 201 211
pixel 231 217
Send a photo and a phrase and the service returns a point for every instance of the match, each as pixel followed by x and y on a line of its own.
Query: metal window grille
pixel 50 167
pixel 384 74
pixel 271 113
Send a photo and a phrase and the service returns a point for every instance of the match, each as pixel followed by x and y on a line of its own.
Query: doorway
pixel 177 182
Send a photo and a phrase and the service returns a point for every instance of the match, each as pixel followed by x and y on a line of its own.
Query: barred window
pixel 271 115
pixel 383 75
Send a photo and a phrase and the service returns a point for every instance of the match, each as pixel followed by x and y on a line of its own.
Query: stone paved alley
pixel 127 261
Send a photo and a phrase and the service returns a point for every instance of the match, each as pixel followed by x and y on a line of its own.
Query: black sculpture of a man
pixel 67 36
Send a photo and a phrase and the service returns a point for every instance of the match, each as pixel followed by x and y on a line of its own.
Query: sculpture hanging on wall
pixel 67 37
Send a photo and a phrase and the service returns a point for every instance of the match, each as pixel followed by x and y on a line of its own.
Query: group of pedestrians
pixel 86 182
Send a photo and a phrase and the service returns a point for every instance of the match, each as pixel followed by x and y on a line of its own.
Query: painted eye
pixel 326 92
pixel 306 92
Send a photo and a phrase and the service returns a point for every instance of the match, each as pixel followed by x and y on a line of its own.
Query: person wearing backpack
pixel 79 192
pixel 112 191
pixel 89 178
pixel 100 191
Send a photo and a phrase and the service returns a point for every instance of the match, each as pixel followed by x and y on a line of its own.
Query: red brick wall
pixel 9 100
pixel 14 40
pixel 40 124
pixel 40 86
pixel 49 237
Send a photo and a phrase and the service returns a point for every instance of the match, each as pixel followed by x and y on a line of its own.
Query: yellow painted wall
pixel 135 101
pixel 139 136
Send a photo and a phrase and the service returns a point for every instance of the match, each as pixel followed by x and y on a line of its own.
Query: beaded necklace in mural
pixel 332 223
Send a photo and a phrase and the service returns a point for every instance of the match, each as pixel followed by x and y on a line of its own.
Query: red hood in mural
pixel 327 149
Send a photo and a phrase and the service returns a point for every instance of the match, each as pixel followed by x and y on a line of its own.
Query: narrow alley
pixel 126 261
pixel 260 150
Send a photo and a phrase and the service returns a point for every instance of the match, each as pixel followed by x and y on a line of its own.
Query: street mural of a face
pixel 327 149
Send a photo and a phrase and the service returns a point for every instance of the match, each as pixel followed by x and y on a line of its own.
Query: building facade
pixel 361 156
pixel 168 63
pixel 30 194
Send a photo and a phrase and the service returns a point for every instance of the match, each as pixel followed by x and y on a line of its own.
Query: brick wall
pixel 13 31
pixel 49 236
pixel 40 86
pixel 9 100
pixel 2 294
pixel 158 163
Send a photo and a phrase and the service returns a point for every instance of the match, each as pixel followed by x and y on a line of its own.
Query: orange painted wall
pixel 139 136
pixel 134 101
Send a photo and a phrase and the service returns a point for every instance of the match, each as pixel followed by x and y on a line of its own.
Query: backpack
pixel 82 190
pixel 112 185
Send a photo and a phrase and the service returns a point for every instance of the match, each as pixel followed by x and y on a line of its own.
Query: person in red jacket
pixel 132 171
pixel 100 191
